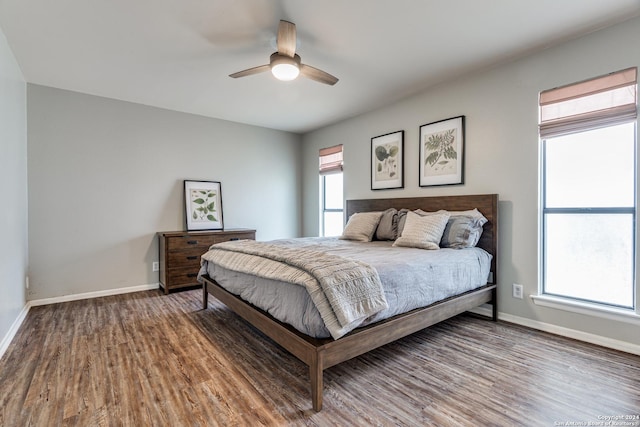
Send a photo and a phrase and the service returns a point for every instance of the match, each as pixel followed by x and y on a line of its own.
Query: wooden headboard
pixel 487 204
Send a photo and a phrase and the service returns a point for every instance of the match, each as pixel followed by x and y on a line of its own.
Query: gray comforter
pixel 411 278
pixel 345 291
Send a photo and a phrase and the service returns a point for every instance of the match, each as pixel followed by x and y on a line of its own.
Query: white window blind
pixel 331 160
pixel 603 101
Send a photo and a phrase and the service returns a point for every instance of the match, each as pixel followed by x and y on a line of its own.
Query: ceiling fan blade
pixel 317 75
pixel 287 38
pixel 250 71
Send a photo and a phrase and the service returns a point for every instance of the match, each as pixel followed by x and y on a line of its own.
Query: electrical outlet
pixel 155 266
pixel 26 282
pixel 517 291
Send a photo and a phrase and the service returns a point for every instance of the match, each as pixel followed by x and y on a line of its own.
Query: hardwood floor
pixel 146 359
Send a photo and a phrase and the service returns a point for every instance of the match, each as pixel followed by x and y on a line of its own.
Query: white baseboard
pixel 95 294
pixel 13 330
pixel 74 297
pixel 565 332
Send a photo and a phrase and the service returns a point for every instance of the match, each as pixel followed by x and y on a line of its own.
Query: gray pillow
pixel 402 218
pixel 462 231
pixel 388 225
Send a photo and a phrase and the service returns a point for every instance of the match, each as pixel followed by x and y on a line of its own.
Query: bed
pixel 319 352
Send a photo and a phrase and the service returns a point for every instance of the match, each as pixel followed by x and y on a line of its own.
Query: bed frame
pixel 320 354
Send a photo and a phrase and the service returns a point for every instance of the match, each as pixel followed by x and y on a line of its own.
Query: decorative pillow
pixel 422 232
pixel 388 225
pixel 361 226
pixel 425 213
pixel 471 212
pixel 402 217
pixel 462 231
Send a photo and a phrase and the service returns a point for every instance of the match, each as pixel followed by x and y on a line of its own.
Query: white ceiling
pixel 177 54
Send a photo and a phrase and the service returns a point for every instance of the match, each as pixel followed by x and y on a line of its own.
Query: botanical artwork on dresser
pixel 203 203
pixel 442 152
pixel 387 161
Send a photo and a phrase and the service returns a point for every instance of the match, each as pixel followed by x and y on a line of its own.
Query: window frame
pixel 331 161
pixel 554 123
pixel 323 200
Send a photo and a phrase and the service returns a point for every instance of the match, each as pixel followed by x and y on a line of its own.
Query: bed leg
pixel 205 296
pixel 315 374
pixel 494 304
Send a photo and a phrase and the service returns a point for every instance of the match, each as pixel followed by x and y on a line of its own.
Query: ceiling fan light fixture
pixel 285 72
pixel 284 67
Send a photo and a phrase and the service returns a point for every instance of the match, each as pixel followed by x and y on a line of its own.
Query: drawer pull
pixel 192 242
pixel 192 257
pixel 192 274
pixel 234 238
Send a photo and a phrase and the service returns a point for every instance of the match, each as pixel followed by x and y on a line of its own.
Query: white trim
pixel 13 330
pixel 95 294
pixel 483 310
pixel 572 333
pixel 589 309
pixel 562 331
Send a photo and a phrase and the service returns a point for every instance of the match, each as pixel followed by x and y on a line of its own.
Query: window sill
pixel 595 310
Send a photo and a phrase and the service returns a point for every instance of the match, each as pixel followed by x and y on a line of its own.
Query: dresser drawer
pixel 186 257
pixel 190 241
pixel 235 236
pixel 182 276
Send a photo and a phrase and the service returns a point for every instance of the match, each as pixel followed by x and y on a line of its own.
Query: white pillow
pixel 403 212
pixel 422 232
pixel 361 226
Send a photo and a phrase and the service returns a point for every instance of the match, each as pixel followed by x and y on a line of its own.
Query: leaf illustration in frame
pixel 387 162
pixel 203 205
pixel 442 152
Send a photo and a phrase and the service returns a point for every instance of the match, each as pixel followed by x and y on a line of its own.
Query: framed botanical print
pixel 203 204
pixel 442 152
pixel 387 161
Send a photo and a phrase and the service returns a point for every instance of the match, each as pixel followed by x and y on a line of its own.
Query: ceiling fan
pixel 285 63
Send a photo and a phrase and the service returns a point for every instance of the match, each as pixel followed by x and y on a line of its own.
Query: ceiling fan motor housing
pixel 284 67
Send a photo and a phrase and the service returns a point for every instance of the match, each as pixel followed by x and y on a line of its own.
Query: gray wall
pixel 106 175
pixel 500 106
pixel 13 188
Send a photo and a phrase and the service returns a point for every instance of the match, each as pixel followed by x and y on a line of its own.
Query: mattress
pixel 411 278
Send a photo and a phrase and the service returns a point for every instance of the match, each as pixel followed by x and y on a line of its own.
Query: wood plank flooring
pixel 146 359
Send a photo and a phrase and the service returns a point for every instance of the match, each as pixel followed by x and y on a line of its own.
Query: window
pixel 588 176
pixel 332 217
pixel 332 205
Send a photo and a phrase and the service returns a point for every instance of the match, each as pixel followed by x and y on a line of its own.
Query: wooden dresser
pixel 180 253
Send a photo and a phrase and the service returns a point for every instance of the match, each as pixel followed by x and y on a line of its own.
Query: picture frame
pixel 387 161
pixel 441 154
pixel 203 205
